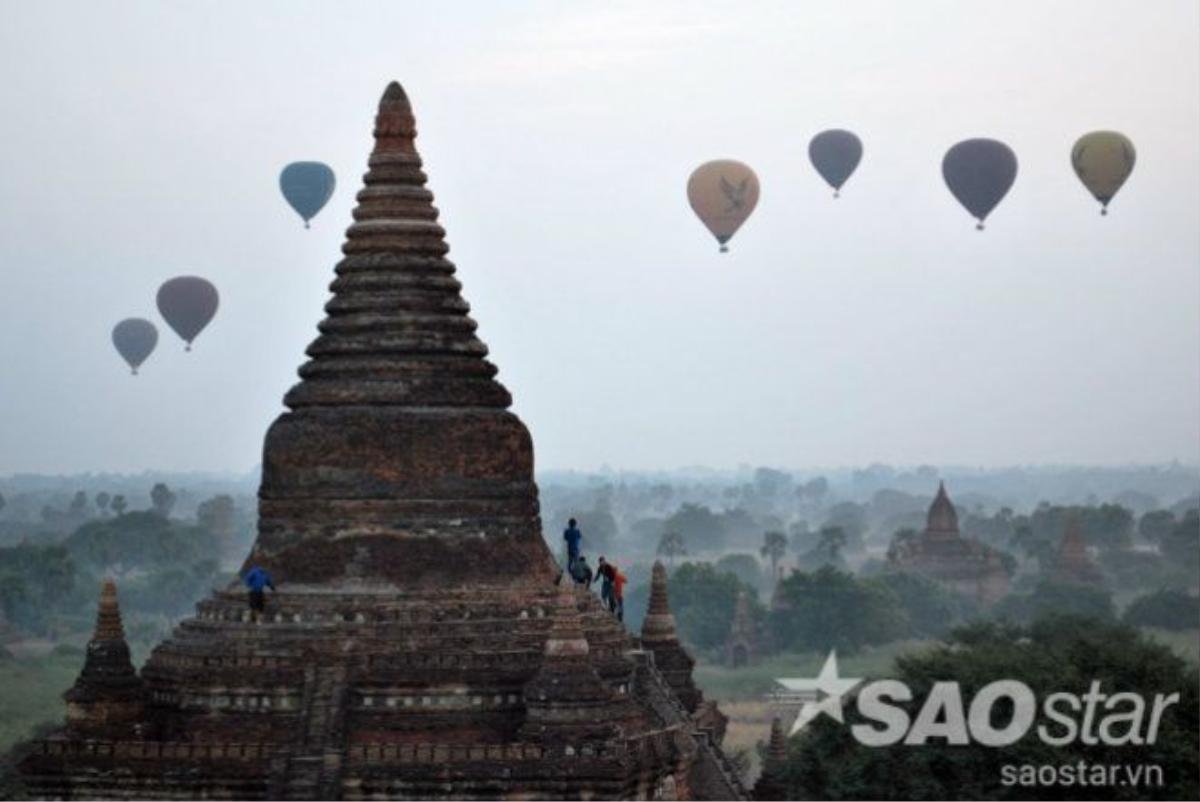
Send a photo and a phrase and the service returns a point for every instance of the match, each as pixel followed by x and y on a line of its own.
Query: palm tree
pixel 773 548
pixel 670 545
pixel 833 538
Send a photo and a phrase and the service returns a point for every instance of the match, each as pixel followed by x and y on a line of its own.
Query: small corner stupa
pixel 418 645
pixel 771 783
pixel 108 695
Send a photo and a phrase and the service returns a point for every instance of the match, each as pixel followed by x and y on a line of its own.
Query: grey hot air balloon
pixel 187 303
pixel 835 153
pixel 979 172
pixel 134 338
pixel 307 187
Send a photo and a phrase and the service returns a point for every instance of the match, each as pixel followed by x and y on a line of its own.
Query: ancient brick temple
pixel 943 554
pixel 1072 562
pixel 419 645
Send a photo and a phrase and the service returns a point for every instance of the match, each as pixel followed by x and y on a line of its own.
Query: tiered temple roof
pixel 418 645
pixel 943 554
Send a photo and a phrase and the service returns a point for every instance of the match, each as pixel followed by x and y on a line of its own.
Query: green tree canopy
pixel 703 599
pixel 830 609
pixel 1167 609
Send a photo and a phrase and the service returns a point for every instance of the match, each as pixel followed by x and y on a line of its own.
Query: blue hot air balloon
pixel 134 339
pixel 835 154
pixel 307 187
pixel 979 173
pixel 188 303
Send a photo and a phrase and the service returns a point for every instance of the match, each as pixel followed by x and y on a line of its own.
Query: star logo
pixel 816 696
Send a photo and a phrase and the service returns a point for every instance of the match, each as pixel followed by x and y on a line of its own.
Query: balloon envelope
pixel 1103 160
pixel 134 338
pixel 723 193
pixel 307 187
pixel 979 172
pixel 187 303
pixel 835 154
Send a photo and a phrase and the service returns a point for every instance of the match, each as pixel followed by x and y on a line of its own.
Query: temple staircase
pixel 314 769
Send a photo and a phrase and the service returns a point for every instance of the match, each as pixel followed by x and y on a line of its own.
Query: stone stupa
pixel 419 645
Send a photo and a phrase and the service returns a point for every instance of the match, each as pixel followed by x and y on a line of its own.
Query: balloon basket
pixel 723 249
pixel 979 226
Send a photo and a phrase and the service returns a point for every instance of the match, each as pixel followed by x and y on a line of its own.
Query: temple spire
pixel 107 695
pixel 943 518
pixel 660 638
pixel 108 615
pixel 659 623
pixel 398 464
pixel 771 783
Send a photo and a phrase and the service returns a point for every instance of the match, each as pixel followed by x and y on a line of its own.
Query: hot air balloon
pixel 979 172
pixel 1103 160
pixel 307 187
pixel 723 193
pixel 835 154
pixel 134 338
pixel 187 303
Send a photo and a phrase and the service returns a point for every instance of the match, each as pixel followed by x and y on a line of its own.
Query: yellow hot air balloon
pixel 723 193
pixel 1103 160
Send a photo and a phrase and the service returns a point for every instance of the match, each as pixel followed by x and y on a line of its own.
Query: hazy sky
pixel 144 140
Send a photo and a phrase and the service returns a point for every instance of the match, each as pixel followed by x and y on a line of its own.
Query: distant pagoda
pixel 419 645
pixel 941 553
pixel 1072 562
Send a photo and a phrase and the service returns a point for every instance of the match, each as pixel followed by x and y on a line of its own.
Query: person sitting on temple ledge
pixel 581 572
pixel 256 579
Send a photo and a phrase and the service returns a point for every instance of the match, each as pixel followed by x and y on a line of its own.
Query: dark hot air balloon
pixel 835 154
pixel 187 303
pixel 979 172
pixel 307 187
pixel 134 338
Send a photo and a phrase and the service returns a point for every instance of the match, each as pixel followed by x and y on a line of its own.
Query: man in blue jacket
pixel 256 579
pixel 573 537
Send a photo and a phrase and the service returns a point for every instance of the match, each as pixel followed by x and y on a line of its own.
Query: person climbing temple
pixel 607 574
pixel 257 579
pixel 573 537
pixel 619 580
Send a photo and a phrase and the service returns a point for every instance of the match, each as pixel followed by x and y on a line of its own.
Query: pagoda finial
pixel 943 518
pixel 108 614
pixel 395 126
